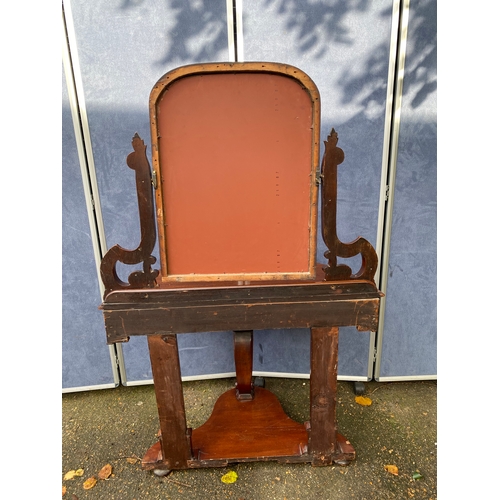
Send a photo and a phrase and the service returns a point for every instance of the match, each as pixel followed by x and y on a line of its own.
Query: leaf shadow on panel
pixel 199 34
pixel 199 31
pixel 320 26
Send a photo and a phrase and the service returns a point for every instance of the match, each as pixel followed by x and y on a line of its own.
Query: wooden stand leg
pixel 175 437
pixel 243 359
pixel 323 387
pixel 326 445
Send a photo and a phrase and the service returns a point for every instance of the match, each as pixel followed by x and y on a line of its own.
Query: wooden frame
pixel 196 147
pixel 247 423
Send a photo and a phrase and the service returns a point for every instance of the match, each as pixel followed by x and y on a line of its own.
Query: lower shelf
pixel 239 430
pixel 246 431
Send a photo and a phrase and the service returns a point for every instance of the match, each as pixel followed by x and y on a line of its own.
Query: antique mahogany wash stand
pixel 236 175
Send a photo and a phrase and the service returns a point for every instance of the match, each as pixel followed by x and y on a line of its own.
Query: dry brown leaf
pixel 105 472
pixel 63 490
pixel 392 469
pixel 89 483
pixel 361 400
pixel 131 460
pixel 72 474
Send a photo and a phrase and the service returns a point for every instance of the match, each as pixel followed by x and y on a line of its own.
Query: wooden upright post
pixel 175 438
pixel 323 387
pixel 243 360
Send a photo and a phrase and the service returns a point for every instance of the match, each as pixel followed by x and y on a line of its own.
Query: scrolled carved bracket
pixel 137 161
pixel 333 157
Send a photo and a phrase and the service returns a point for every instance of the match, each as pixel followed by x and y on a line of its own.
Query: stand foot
pixel 259 382
pixel 359 388
pixel 161 472
pixel 346 453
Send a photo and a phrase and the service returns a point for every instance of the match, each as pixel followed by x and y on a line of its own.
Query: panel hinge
pixel 319 177
pixel 374 354
pixel 154 180
pixel 387 193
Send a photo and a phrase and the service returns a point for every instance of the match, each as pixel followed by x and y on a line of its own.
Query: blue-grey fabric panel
pixel 288 351
pixel 275 351
pixel 344 47
pixel 409 337
pixel 282 351
pixel 85 355
pixel 124 47
pixel 200 354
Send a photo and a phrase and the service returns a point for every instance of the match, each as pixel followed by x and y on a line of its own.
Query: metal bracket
pixel 319 177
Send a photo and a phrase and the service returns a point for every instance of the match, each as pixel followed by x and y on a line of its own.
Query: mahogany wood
pixel 236 308
pixel 247 423
pixel 323 390
pixel 137 161
pixel 333 157
pixel 243 360
pixel 174 437
pixel 248 430
pixel 219 182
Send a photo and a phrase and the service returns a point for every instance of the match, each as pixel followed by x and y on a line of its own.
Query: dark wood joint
pixel 137 161
pixel 345 452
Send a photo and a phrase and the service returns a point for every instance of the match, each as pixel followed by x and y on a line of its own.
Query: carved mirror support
pixel 333 157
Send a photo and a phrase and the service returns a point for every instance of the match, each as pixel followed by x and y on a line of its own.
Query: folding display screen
pixel 235 155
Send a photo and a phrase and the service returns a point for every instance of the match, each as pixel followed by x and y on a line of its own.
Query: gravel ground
pixel 117 426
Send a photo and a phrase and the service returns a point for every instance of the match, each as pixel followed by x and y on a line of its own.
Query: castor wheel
pixel 359 388
pixel 161 472
pixel 259 382
pixel 341 462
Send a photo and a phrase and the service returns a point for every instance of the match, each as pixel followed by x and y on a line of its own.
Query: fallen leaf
pixel 72 474
pixel 417 475
pixel 69 475
pixel 63 490
pixel 361 400
pixel 89 483
pixel 391 469
pixel 229 478
pixel 131 460
pixel 105 472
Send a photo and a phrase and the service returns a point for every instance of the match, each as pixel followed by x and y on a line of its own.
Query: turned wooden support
pixel 243 360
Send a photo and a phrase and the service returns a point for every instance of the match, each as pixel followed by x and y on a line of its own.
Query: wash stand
pixel 233 197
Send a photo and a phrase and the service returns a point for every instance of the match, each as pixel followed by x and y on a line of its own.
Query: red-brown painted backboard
pixel 235 151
